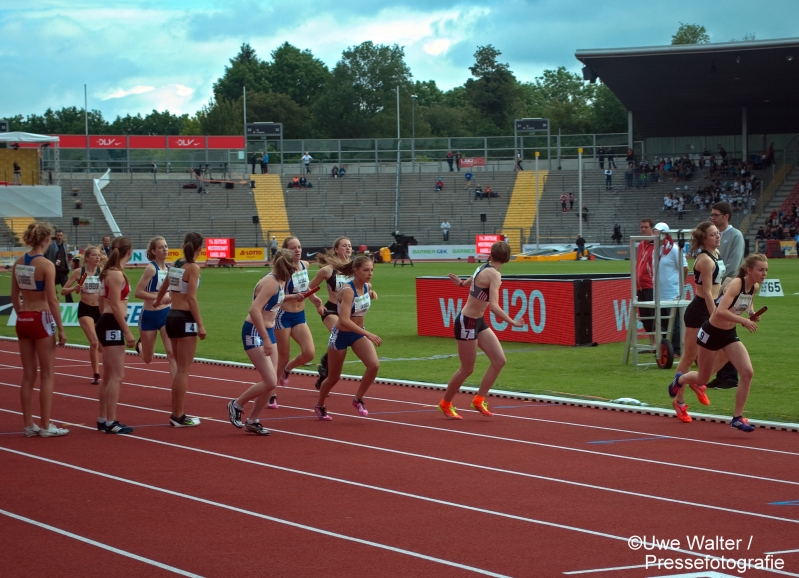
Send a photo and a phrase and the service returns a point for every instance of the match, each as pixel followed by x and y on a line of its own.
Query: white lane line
pixel 258 514
pixel 430 458
pixel 606 569
pixel 783 552
pixel 525 418
pixel 91 542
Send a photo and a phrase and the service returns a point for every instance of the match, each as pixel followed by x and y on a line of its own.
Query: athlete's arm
pixel 723 311
pixel 15 300
pixel 141 292
pixel 73 280
pixel 495 280
pixel 159 297
pixel 457 280
pixel 321 276
pixel 192 270
pixel 268 286
pixel 751 312
pixel 706 266
pixel 52 299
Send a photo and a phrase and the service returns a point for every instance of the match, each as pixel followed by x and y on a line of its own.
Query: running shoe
pixel 682 412
pixel 674 386
pixel 183 421
pixel 482 408
pixel 321 413
pixel 96 380
pixel 256 428
pixel 699 390
pixel 234 413
pixel 272 402
pixel 53 431
pixel 359 405
pixel 739 422
pixel 284 379
pixel 117 428
pixel 31 431
pixel 449 411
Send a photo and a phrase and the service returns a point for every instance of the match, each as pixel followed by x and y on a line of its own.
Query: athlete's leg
pixel 489 343
pixel 365 350
pixel 467 353
pixel 264 389
pixel 283 338
pixel 705 361
pixel 739 357
pixel 302 335
pixel 170 355
pixel 87 324
pixel 30 367
pixel 184 348
pixel 113 374
pixel 335 361
pixel 147 339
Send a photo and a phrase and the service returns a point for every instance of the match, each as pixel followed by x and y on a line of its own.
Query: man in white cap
pixel 668 280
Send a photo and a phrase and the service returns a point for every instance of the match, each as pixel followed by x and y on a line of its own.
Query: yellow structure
pixel 570 256
pixel 28 160
pixel 522 207
pixel 271 206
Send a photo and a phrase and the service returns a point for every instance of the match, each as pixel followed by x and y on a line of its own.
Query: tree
pixel 274 107
pixel 246 69
pixel 221 117
pixel 297 74
pixel 690 34
pixel 495 93
pixel 565 98
pixel 68 120
pixel 164 123
pixel 609 114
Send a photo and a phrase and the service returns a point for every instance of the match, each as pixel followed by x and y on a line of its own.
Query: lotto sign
pixel 483 243
pixel 175 254
pixel 250 254
pixel 219 248
pixel 771 288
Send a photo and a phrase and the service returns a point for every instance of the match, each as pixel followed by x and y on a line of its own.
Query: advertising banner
pixel 422 252
pixel 186 142
pixel 72 141
pixel 147 142
pixel 473 162
pixel 175 254
pixel 108 142
pixel 69 314
pixel 221 248
pixel 225 142
pixel 545 307
pixel 484 242
pixel 250 254
pixel 138 257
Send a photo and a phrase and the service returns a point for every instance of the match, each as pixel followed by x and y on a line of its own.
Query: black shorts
pixel 180 324
pixel 712 338
pixel 330 309
pixel 467 328
pixel 108 331
pixel 92 311
pixel 696 313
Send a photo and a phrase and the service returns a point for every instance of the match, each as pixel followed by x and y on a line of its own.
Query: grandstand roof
pixel 700 89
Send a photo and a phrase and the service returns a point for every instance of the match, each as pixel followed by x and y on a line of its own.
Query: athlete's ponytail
pixel 36 233
pixel 283 265
pixel 120 248
pixel 749 263
pixel 191 246
pixel 346 268
pixel 699 235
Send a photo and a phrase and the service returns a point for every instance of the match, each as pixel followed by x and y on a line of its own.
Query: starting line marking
pixel 91 542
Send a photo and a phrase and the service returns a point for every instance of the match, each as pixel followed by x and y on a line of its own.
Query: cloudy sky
pixel 156 54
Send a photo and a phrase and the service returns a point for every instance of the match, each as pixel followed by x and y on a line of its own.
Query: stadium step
pixel 271 206
pixel 522 207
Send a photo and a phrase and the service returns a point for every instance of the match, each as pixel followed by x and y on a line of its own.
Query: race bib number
pixel 25 279
pixel 113 335
pixel 722 269
pixel 253 341
pixel 161 276
pixel 191 327
pixel 743 303
pixel 361 304
pixel 175 278
pixel 702 336
pixel 341 280
pixel 300 281
pixel 91 284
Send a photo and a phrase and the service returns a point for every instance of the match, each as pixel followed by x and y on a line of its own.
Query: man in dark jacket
pixel 57 254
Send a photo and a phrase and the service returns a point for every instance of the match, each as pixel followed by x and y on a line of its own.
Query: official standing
pixel 57 254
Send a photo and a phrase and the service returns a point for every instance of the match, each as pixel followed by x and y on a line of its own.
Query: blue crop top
pixel 299 281
pixel 275 300
pixel 25 274
pixel 360 303
pixel 158 279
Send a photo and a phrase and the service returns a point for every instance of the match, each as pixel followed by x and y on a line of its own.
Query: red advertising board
pixel 147 142
pixel 473 162
pixel 220 248
pixel 186 142
pixel 225 142
pixel 545 307
pixel 483 243
pixel 108 142
pixel 72 141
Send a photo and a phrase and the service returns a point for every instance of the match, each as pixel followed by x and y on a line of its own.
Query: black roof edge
pixel 688 48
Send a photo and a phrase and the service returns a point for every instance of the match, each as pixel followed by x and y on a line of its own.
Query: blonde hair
pixel 89 249
pixel 283 265
pixel 36 233
pixel 346 268
pixel 151 246
pixel 749 262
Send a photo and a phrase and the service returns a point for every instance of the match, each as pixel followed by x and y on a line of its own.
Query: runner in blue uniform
pixel 266 300
pixel 349 331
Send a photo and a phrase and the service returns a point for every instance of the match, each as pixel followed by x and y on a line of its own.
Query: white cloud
pixel 120 93
pixel 437 46
pixel 182 90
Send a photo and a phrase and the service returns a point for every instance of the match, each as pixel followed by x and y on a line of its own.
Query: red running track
pixel 537 490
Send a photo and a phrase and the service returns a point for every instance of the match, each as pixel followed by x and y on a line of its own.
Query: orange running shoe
pixel 682 412
pixel 481 406
pixel 699 390
pixel 448 410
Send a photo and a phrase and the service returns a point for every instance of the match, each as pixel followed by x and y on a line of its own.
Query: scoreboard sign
pixel 532 124
pixel 3 126
pixel 483 243
pixel 220 248
pixel 264 129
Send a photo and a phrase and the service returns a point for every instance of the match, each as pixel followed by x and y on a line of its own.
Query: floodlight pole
pixel 413 132
pixel 86 119
pixel 244 97
pixel 580 190
pixel 537 216
pixel 399 160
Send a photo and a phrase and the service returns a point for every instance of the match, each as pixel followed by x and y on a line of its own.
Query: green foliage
pixel 221 117
pixel 297 74
pixel 68 120
pixel 246 69
pixel 690 34
pixel 276 107
pixel 494 93
pixel 164 123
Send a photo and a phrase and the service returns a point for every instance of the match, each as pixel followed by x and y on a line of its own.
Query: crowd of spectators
pixel 780 225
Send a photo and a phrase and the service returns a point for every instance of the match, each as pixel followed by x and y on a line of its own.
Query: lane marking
pixel 91 542
pixel 788 503
pixel 606 569
pixel 782 552
pixel 430 458
pixel 629 440
pixel 258 514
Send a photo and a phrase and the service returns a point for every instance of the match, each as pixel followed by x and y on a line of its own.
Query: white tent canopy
pixel 26 137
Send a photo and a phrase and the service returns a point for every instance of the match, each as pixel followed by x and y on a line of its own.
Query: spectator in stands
pixel 155 172
pixel 608 179
pixel 17 174
pixel 303 182
pixel 580 242
pixel 264 163
pixel 57 254
pixel 273 247
pixel 468 177
pixel 571 201
pixel 458 157
pixel 334 172
pixel 489 192
pixel 295 183
pixel 628 176
pixel 519 162
pixel 450 158
pixel 563 199
pixel 760 237
pixel 478 192
pixel 722 153
pixel 617 236
pixel 306 160
pixel 680 209
pixel 630 156
pixel 585 213
pixel 601 157
pixel 445 229
pixel 342 172
pixel 253 160
pixel 611 162
pixel 106 248
pixel 439 184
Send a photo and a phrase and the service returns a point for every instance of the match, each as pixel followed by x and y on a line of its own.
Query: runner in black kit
pixel 472 331
pixel 86 281
pixel 718 334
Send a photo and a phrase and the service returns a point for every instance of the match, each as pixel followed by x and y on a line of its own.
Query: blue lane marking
pixel 788 503
pixel 646 439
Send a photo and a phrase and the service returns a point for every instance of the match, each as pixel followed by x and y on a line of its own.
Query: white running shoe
pixel 31 431
pixel 53 431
